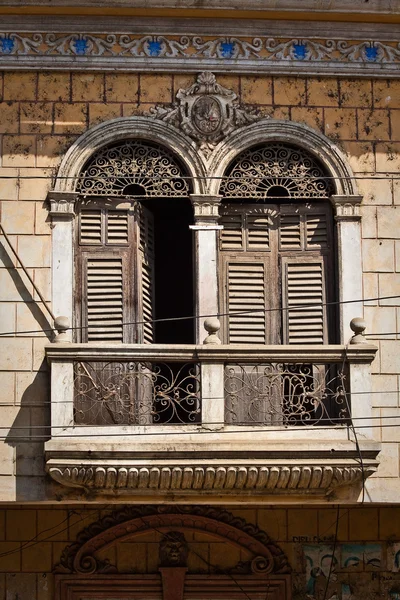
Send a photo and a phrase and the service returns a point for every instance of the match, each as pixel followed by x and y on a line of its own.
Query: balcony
pixel 225 420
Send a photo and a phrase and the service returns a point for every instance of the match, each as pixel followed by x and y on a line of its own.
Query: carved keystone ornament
pixel 206 111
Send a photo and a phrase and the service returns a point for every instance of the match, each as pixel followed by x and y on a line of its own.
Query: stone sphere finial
pixel 212 325
pixel 61 324
pixel 358 325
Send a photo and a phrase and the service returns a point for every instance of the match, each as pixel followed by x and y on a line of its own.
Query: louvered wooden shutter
pixel 104 297
pixel 305 248
pixel 105 275
pixel 146 274
pixel 303 300
pixel 273 257
pixel 246 287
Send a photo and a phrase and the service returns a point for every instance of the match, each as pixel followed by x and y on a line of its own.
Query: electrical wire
pixel 297 307
pixel 342 421
pixel 284 397
pixel 32 542
pixel 214 567
pixel 81 177
pixel 333 554
pixel 363 487
pixel 200 430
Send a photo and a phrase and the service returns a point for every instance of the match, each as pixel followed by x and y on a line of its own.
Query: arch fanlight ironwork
pixel 276 170
pixel 133 168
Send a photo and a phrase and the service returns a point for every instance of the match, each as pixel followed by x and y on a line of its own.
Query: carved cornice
pixel 126 523
pixel 115 49
pixel 217 479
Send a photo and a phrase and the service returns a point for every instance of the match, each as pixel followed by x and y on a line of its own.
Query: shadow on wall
pixel 30 415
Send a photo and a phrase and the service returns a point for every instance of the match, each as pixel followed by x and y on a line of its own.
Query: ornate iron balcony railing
pixel 136 393
pixel 287 394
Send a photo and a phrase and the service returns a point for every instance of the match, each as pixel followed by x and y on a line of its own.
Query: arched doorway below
pixel 173 553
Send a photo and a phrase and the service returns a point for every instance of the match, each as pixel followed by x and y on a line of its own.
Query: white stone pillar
pixel 62 396
pixel 361 383
pixel 62 214
pixel 212 380
pixel 206 258
pixel 350 286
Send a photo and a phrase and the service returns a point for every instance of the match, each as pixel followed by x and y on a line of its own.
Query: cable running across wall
pixel 227 314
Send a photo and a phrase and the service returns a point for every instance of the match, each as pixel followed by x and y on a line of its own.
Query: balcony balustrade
pixel 212 417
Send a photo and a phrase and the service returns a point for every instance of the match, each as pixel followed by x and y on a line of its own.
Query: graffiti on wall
pixel 352 571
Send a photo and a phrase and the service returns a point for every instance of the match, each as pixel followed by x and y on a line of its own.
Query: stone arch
pixel 345 198
pixel 125 128
pixel 64 194
pixel 269 130
pixel 126 523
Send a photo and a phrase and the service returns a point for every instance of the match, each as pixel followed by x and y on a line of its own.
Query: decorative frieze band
pixel 222 478
pixel 193 52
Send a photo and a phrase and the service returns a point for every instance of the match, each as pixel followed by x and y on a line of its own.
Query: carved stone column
pixel 62 214
pixel 206 227
pixel 348 218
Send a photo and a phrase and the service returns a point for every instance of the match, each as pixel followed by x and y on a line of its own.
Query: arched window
pixel 133 243
pixel 277 268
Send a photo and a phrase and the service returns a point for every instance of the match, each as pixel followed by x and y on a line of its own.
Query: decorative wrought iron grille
pixel 127 393
pixel 276 171
pixel 133 168
pixel 286 394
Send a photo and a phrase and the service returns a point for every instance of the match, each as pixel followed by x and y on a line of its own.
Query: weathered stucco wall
pixel 41 114
pixel 365 566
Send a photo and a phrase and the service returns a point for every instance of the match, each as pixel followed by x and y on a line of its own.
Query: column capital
pixel 205 207
pixel 347 208
pixel 62 204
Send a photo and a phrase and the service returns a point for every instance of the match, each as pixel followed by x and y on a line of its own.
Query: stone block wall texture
pixel 41 114
pixel 32 541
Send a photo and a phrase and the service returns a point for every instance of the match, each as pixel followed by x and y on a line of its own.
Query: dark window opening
pixel 173 270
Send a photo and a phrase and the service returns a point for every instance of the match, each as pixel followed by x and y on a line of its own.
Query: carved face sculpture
pixel 173 550
pixel 206 114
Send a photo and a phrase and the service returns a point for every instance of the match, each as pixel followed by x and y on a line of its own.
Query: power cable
pixel 330 421
pixel 284 397
pixel 199 430
pixel 297 307
pixel 32 542
pixel 363 487
pixel 214 567
pixel 82 177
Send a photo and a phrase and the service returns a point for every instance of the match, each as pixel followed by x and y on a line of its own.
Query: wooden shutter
pixel 146 274
pixel 279 259
pixel 104 297
pixel 105 283
pixel 305 248
pixel 246 284
pixel 303 299
pixel 90 227
pixel 232 235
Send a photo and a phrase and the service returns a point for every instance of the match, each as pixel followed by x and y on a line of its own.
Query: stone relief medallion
pixel 207 115
pixel 206 112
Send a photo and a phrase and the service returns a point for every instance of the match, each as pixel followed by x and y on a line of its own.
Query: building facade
pixel 199 300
